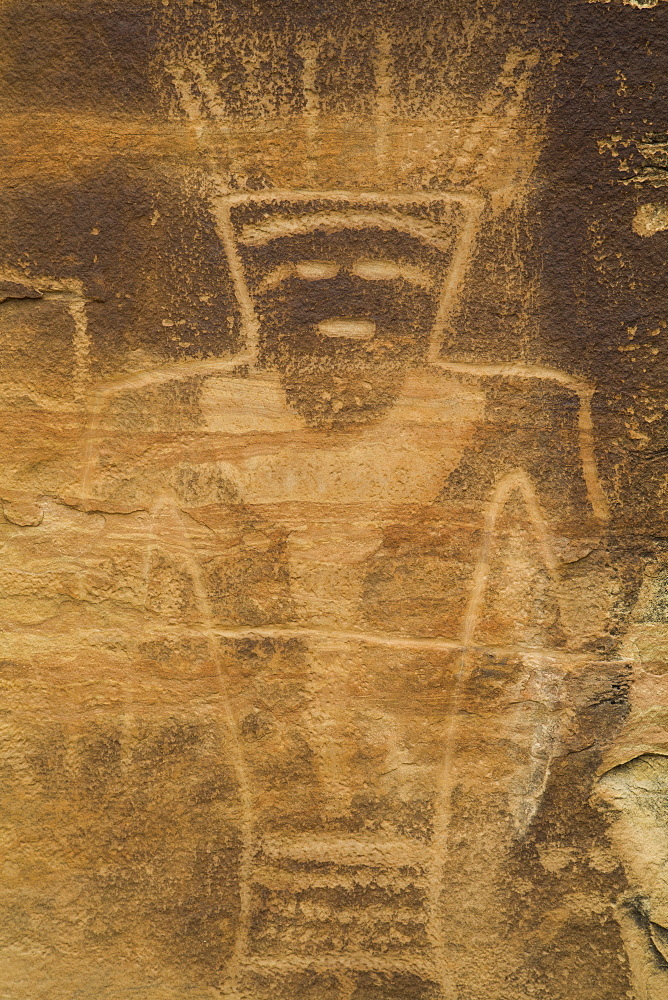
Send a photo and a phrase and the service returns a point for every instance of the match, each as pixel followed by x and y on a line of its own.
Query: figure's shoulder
pixel 217 394
pixel 249 403
pixel 515 392
pixel 516 396
pixel 514 372
pixel 435 382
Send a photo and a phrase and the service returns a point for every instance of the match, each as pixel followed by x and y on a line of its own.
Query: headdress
pixel 432 174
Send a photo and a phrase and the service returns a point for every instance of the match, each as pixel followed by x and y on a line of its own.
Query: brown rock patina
pixel 333 558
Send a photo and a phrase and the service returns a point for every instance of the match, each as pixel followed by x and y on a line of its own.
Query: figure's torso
pixel 404 456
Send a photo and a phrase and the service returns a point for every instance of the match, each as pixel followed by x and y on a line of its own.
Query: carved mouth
pixel 351 329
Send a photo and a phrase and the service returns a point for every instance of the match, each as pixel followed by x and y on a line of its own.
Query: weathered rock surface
pixel 333 563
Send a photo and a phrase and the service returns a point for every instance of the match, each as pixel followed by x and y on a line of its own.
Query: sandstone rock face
pixel 333 551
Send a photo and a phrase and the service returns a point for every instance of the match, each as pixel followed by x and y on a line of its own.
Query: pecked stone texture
pixel 333 550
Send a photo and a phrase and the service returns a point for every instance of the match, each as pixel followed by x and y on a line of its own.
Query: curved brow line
pixel 280 226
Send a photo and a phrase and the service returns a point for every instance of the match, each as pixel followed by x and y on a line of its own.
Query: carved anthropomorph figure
pixel 373 533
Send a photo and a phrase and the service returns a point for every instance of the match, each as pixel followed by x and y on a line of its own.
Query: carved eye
pixel 309 270
pixel 388 270
pixel 377 270
pixel 316 270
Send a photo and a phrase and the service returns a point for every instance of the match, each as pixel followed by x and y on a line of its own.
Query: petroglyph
pixel 332 566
